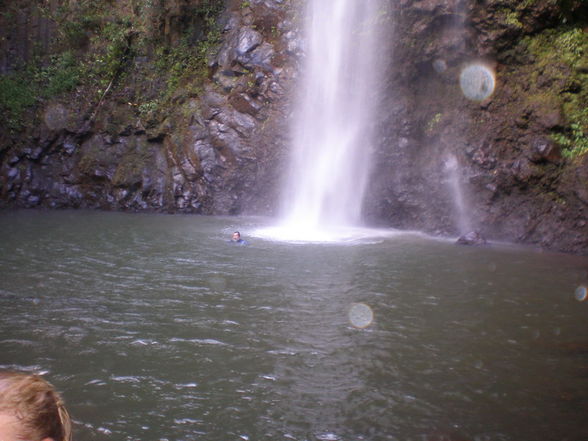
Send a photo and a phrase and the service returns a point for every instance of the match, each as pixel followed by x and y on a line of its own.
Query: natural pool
pixel 155 328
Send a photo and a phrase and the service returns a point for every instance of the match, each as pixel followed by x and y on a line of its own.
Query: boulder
pixel 472 238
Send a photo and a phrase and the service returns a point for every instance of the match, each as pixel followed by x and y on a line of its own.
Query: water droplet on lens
pixel 439 65
pixel 477 82
pixel 360 315
pixel 581 293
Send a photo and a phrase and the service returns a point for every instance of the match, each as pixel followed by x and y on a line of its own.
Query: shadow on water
pixel 155 327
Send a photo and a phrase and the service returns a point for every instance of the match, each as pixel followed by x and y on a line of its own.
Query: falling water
pixel 456 193
pixel 331 136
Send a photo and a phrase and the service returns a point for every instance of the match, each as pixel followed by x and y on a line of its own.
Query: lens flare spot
pixel 581 293
pixel 361 315
pixel 477 82
pixel 439 65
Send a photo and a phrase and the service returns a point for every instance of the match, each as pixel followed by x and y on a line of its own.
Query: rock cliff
pixel 186 111
pixel 183 106
pixel 520 153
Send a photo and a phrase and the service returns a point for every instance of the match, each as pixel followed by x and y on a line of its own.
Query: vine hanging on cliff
pixel 116 56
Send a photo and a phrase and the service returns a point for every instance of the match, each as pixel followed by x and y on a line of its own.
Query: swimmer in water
pixel 236 239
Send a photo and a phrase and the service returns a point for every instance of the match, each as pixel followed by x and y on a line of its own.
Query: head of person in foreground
pixel 31 409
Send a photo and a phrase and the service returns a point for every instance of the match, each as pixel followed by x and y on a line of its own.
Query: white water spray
pixel 331 134
pixel 455 190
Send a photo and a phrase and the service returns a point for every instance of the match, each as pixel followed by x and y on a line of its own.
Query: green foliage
pixel 510 18
pixel 559 55
pixel 17 94
pixel 74 20
pixel 186 64
pixel 433 122
pixel 527 3
pixel 211 41
pixel 572 44
pixel 574 140
pixel 115 52
pixel 21 90
pixel 62 75
pixel 76 32
pixel 183 65
pixel 148 108
pixel 567 44
pixel 94 49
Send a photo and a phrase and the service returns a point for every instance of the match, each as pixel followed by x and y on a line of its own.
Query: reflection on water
pixel 156 328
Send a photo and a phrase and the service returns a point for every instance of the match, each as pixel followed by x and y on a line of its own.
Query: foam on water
pixel 340 235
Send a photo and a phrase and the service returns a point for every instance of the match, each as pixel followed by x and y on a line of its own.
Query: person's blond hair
pixel 37 406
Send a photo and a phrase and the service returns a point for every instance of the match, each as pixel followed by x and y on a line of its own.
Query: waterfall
pixel 330 159
pixel 457 195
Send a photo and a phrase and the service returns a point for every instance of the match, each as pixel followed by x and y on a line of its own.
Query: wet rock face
pixel 516 184
pixel 23 30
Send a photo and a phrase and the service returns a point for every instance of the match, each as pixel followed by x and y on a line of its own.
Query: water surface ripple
pixel 155 328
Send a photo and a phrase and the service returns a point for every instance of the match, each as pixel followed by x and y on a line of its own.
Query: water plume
pixel 457 195
pixel 330 159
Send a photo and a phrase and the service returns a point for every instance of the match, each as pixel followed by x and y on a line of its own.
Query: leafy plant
pixel 62 75
pixel 574 142
pixel 21 90
pixel 560 54
pixel 568 44
pixel 116 51
pixel 148 107
pixel 511 18
pixel 433 122
pixel 187 64
pixel 572 42
pixel 17 94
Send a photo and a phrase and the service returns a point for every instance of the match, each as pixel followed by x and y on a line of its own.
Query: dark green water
pixel 155 328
